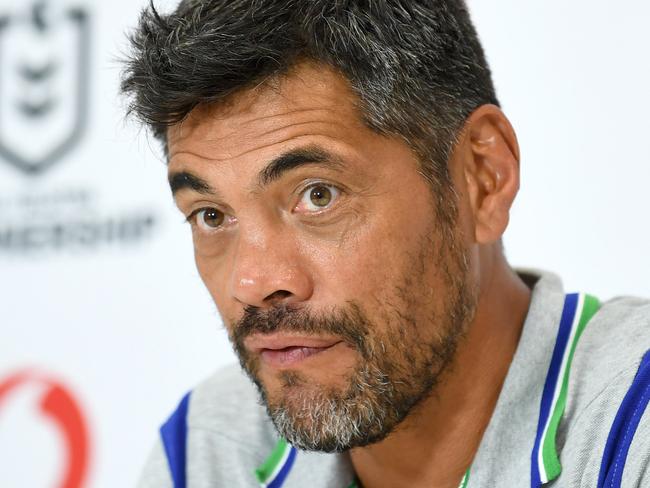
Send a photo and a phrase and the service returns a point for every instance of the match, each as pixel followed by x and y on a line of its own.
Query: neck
pixel 434 446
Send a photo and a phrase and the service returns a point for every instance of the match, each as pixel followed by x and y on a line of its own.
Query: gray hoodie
pixel 223 434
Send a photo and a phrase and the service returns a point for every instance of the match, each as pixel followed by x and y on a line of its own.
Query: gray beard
pixel 378 398
pixel 315 420
pixel 397 368
pixel 393 377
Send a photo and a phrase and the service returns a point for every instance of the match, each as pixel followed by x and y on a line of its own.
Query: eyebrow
pixel 294 159
pixel 271 172
pixel 185 180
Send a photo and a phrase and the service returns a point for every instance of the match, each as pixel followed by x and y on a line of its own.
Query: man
pixel 348 175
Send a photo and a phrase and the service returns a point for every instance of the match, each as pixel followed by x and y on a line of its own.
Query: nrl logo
pixel 43 83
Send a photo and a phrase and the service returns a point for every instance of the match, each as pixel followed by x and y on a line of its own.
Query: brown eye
pixel 209 218
pixel 320 196
pixel 316 198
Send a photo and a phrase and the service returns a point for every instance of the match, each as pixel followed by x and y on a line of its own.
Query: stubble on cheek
pixel 420 312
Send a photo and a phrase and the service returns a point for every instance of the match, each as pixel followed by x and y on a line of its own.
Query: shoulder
pixel 217 435
pixel 620 326
pixel 608 391
pixel 220 434
pixel 156 472
pixel 611 347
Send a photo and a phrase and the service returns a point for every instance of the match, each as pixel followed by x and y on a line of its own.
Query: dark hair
pixel 417 66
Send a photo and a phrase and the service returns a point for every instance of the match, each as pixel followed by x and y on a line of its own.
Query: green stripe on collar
pixel 464 482
pixel 269 467
pixel 550 457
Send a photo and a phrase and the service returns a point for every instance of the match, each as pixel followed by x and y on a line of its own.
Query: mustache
pixel 348 323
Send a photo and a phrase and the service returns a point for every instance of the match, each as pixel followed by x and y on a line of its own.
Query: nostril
pixel 277 296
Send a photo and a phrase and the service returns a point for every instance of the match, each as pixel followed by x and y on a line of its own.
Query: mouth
pixel 282 351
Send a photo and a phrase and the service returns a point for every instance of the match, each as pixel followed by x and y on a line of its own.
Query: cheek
pixel 369 262
pixel 209 247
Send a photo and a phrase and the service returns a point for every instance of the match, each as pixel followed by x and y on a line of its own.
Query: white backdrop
pixel 99 296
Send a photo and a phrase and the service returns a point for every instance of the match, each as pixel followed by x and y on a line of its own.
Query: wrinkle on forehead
pixel 223 157
pixel 308 100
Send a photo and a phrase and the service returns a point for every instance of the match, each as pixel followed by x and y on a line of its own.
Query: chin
pixel 351 411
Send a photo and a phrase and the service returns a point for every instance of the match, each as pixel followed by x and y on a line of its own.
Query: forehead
pixel 310 100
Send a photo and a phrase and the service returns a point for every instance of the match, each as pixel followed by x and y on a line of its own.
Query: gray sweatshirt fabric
pixel 230 435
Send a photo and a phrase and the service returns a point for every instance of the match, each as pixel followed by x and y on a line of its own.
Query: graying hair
pixel 416 66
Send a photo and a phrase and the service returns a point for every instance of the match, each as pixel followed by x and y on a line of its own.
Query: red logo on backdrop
pixel 59 406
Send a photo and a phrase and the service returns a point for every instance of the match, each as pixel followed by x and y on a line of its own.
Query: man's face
pixel 343 294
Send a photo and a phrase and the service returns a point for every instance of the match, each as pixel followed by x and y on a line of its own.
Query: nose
pixel 269 271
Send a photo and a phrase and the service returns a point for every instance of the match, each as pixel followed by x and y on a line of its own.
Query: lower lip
pixel 291 356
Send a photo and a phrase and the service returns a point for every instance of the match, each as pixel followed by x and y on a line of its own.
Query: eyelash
pixel 191 218
pixel 335 195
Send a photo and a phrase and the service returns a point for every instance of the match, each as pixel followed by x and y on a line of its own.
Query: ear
pixel 490 161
